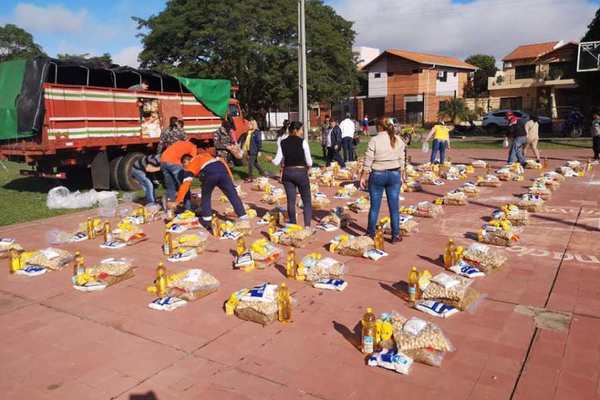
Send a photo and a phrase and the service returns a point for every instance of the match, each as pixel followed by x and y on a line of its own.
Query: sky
pixel 450 27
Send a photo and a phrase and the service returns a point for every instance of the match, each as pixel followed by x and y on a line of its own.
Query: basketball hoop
pixel 588 57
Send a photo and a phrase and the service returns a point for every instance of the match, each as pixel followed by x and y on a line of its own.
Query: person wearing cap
pixel 170 165
pixel 213 173
pixel 141 168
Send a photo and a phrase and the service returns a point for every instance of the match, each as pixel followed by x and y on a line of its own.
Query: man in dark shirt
pixel 518 134
pixel 170 135
pixel 334 144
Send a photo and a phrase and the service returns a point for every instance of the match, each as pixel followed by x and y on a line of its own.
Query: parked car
pixel 494 122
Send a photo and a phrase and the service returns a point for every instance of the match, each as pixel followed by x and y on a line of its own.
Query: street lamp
pixel 302 94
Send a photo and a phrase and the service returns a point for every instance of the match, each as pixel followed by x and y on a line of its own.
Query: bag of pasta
pixel 479 164
pixel 191 284
pixel 488 181
pixel 318 267
pixel 531 203
pixel 191 241
pixel 348 245
pixel 320 202
pixel 427 209
pixel 411 186
pixel 408 224
pixel 456 198
pixel 262 184
pixel 361 205
pixel 497 236
pixel 258 304
pixel 8 244
pixel 50 258
pixel 108 272
pixel 514 214
pixel 274 197
pixel 540 189
pixel 484 257
pixel 533 164
pixel 264 253
pixel 417 334
pixel 470 190
pixel 292 235
pixel 453 290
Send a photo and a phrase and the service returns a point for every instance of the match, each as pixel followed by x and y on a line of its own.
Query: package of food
pixel 197 241
pixel 470 190
pixel 191 284
pixel 230 212
pixel 416 334
pixel 479 164
pixel 344 174
pixel 514 214
pixel 427 209
pixel 98 226
pixel 392 360
pixel 50 258
pixel 262 184
pixel 8 244
pixel 484 257
pixel 505 174
pixel 488 181
pixel 540 189
pixel 453 174
pixel 411 186
pixel 497 235
pixel 107 272
pixel 320 202
pixel 533 164
pixel 427 356
pixel 550 183
pixel 348 245
pixel 258 304
pixel 455 291
pixel 436 308
pixel 361 205
pixel 555 176
pixel 264 253
pixel 426 167
pixel 337 218
pixel 531 203
pixel 430 178
pixel 456 198
pixel 292 235
pixel 567 172
pixel 331 284
pixel 318 267
pixel 274 197
pixel 183 254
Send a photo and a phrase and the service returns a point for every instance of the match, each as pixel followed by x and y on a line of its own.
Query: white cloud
pixel 127 56
pixel 481 26
pixel 50 18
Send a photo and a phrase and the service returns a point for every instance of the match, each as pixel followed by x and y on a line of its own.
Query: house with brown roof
pixel 411 86
pixel 539 78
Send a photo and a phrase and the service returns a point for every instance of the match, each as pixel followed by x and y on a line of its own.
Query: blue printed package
pixel 331 284
pixel 435 308
pixel 391 359
pixel 463 268
pixel 264 292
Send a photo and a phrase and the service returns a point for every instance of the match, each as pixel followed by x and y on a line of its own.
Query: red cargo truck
pixel 73 117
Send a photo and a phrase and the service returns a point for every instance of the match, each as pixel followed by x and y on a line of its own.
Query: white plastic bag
pixel 505 143
pixel 425 147
pixel 61 197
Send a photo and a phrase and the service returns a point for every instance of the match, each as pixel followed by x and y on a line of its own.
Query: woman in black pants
pixel 294 155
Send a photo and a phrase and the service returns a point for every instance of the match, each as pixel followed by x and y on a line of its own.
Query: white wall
pixel 447 88
pixel 378 86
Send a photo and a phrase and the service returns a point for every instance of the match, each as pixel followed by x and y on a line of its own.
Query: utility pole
pixel 302 94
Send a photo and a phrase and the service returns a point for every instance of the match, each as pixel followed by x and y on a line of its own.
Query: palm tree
pixel 454 110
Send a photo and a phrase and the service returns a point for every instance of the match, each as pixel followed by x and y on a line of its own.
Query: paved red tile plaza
pixel 58 343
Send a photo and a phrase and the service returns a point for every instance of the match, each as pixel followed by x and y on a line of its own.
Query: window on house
pixel 442 76
pixel 442 105
pixel 376 75
pixel 562 70
pixel 524 71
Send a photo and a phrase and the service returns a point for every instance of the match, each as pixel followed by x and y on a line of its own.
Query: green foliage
pixel 103 59
pixel 486 68
pixel 252 43
pixel 589 82
pixel 17 43
pixel 454 110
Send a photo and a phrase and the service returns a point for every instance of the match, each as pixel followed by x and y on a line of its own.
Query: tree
pixel 486 68
pixel 104 59
pixel 17 43
pixel 252 43
pixel 454 110
pixel 589 82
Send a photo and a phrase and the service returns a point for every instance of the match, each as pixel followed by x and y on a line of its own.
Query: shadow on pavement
pixel 352 336
pixel 144 396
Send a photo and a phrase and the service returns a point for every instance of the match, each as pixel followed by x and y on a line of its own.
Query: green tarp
pixel 213 93
pixel 11 80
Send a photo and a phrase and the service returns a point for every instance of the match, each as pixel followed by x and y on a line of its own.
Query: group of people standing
pixel 339 141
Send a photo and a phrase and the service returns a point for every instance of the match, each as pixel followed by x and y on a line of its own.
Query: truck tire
pixel 114 173
pixel 126 181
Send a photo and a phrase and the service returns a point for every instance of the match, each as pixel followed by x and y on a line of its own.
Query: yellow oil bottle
pixel 413 285
pixel 240 247
pixel 379 242
pixel 290 264
pixel 142 213
pixel 216 226
pixel 79 267
pixel 14 262
pixel 168 244
pixel 107 232
pixel 161 280
pixel 284 304
pixel 91 234
pixel 369 331
pixel 450 254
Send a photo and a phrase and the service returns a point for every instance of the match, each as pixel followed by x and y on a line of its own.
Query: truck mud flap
pixel 100 171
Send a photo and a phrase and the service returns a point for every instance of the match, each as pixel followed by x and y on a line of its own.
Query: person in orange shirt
pixel 212 172
pixel 170 165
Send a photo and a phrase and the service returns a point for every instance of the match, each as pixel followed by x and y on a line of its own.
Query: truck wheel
pixel 114 173
pixel 126 181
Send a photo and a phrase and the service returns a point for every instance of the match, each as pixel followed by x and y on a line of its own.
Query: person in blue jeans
pixel 141 168
pixel 384 162
pixel 441 141
pixel 518 133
